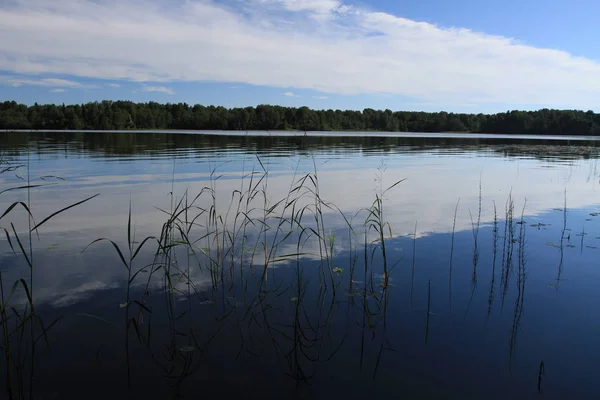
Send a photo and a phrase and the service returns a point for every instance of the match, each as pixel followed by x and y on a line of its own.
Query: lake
pixel 299 265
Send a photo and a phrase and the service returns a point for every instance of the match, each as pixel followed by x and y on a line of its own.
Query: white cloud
pixel 161 89
pixel 49 82
pixel 322 7
pixel 320 97
pixel 290 94
pixel 58 90
pixel 114 85
pixel 323 45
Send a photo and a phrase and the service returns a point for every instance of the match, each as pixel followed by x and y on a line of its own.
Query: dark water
pixel 264 287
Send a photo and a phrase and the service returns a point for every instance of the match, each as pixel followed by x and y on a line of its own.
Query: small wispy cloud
pixel 114 85
pixel 48 82
pixel 290 94
pixel 160 89
pixel 436 105
pixel 320 97
pixel 234 87
pixel 58 90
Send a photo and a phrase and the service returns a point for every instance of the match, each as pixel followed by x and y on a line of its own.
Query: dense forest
pixel 128 115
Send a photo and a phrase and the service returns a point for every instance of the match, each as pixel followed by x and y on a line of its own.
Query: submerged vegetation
pixel 107 115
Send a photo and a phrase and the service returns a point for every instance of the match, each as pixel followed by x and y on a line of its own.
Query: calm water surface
pixel 272 282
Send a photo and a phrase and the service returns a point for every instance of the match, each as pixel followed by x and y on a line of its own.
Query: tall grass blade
pixel 62 210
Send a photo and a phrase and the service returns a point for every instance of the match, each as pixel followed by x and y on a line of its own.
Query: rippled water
pixel 472 305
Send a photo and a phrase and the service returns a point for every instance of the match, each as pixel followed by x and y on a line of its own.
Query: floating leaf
pixel 338 270
pixel 123 305
pixel 294 299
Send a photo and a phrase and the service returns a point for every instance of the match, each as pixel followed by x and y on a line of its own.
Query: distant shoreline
pixel 299 134
pixel 126 115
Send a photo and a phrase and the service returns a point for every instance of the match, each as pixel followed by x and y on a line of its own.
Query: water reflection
pixel 274 256
pixel 169 144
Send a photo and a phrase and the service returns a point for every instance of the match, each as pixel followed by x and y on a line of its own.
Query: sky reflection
pixel 433 185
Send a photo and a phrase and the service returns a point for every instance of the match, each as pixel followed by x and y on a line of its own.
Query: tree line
pixel 123 115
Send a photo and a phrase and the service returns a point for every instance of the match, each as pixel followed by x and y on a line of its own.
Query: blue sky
pixel 459 56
